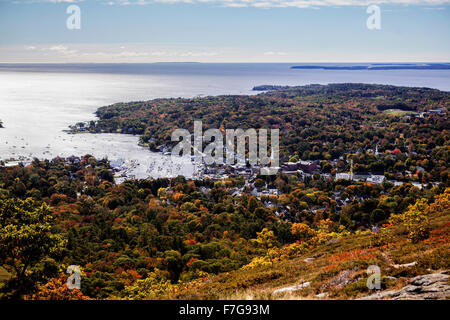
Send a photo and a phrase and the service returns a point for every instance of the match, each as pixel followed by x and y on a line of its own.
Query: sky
pixel 135 31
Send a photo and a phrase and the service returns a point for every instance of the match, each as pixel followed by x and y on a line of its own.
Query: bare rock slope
pixel 434 286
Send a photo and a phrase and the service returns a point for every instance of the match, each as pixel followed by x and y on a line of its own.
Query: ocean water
pixel 38 102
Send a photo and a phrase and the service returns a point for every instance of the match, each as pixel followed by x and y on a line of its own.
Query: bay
pixel 39 101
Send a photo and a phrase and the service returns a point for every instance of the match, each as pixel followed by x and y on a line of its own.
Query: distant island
pixel 268 87
pixel 380 66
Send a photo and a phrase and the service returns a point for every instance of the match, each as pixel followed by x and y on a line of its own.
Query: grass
pixel 398 112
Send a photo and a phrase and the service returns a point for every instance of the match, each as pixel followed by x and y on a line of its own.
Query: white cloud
pixel 60 49
pixel 57 48
pixel 105 53
pixel 273 53
pixel 258 3
pixel 128 2
pixel 46 1
pixel 145 53
pixel 283 3
pixel 63 1
pixel 159 53
pixel 197 54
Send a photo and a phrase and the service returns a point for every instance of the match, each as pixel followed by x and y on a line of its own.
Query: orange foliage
pixel 177 196
pixel 191 260
pixel 56 289
pixel 440 236
pixel 352 255
pixel 129 276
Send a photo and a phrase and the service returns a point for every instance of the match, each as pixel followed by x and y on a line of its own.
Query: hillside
pixel 239 234
pixel 337 269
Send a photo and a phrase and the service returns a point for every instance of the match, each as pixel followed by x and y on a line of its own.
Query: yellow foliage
pixel 258 262
pixel 156 286
pixel 302 231
pixel 416 219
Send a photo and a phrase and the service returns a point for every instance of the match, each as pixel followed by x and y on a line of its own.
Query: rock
pixel 321 295
pixel 406 265
pixel 381 295
pixel 292 288
pixel 433 286
pixel 390 278
pixel 341 280
pixel 333 241
pixel 309 260
pixel 429 279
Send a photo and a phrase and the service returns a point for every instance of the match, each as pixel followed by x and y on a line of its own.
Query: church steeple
pixel 351 169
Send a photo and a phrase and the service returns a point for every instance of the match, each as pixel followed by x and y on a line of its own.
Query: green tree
pixel 26 241
pixel 416 220
pixel 266 239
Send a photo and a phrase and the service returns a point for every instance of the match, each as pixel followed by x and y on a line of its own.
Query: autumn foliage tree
pixel 56 289
pixel 416 219
pixel 302 231
pixel 26 240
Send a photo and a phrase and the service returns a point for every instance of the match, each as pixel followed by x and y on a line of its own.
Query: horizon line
pixel 228 62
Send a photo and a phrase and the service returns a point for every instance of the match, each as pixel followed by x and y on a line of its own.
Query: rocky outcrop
pixel 292 288
pixel 405 265
pixel 340 281
pixel 433 286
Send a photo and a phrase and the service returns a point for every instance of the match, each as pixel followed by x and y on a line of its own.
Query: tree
pixel 377 215
pixel 26 240
pixel 56 289
pixel 302 231
pixel 266 239
pixel 156 284
pixel 415 219
pixel 252 204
